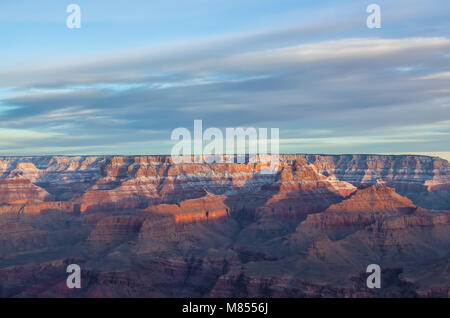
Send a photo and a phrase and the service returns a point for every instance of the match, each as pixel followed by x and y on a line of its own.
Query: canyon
pixel 144 226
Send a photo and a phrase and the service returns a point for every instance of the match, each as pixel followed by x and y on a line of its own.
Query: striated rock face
pixel 106 183
pixel 210 207
pixel 113 229
pixel 141 226
pixel 363 207
pixel 19 190
pixel 373 199
pixel 422 179
pixel 302 190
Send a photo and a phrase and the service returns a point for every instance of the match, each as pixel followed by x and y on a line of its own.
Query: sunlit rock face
pixel 105 183
pixel 142 226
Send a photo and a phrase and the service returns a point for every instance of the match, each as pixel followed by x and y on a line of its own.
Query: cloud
pixel 353 94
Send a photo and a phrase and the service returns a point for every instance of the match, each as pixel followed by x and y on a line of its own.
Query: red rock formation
pixel 363 207
pixel 210 207
pixel 113 229
pixel 37 208
pixel 18 190
pixel 139 226
pixel 305 183
pixel 303 190
pixel 374 199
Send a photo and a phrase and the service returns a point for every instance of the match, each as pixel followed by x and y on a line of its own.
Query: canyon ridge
pixel 142 226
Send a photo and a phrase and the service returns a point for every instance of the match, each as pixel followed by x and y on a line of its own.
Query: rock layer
pixel 141 226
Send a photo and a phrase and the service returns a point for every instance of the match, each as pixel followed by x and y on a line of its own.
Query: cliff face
pixel 143 226
pixel 365 206
pixel 96 183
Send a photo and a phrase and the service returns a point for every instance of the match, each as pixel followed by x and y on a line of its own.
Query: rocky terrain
pixel 142 226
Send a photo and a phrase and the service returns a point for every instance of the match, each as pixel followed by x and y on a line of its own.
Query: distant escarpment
pixel 302 184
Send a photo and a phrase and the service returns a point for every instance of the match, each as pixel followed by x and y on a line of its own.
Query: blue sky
pixel 136 70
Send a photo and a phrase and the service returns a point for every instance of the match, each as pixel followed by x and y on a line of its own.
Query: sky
pixel 137 70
